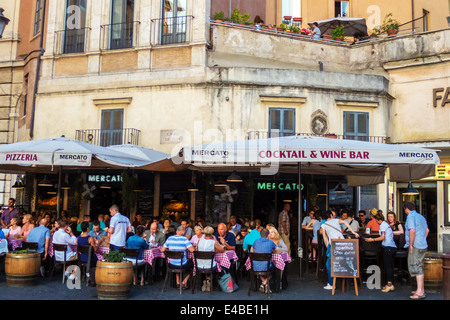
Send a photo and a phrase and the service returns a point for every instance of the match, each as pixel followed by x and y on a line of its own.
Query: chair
pixel 30 245
pixel 204 255
pixel 84 249
pixel 263 257
pixel 401 260
pixel 59 247
pixel 321 255
pixel 133 253
pixel 370 253
pixel 175 255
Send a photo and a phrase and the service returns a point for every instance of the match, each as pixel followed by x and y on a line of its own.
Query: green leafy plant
pixel 338 33
pixel 282 27
pixel 114 256
pixel 21 251
pixel 389 23
pixel 219 16
pixel 236 16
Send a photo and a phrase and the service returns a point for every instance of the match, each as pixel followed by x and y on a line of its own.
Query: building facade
pixel 159 74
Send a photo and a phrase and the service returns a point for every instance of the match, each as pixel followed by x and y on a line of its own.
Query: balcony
pixel 266 134
pixel 107 138
pixel 171 30
pixel 71 41
pixel 119 35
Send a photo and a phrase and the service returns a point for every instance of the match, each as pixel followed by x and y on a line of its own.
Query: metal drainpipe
pixel 413 22
pixel 38 67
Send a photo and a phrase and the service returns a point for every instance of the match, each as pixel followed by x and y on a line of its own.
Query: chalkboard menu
pixel 345 258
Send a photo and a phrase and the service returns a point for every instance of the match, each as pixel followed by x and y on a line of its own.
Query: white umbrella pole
pixel 58 198
pixel 300 205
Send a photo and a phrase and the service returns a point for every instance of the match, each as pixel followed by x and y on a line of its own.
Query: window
pixel 37 17
pixel 281 122
pixel 291 8
pixel 75 31
pixel 112 127
pixel 121 28
pixel 174 21
pixel 341 9
pixel 356 125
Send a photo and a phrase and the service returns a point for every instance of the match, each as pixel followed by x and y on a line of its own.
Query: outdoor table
pixel 278 259
pixel 223 259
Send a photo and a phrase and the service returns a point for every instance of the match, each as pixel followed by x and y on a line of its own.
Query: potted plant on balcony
pixel 390 25
pixel 282 27
pixel 219 16
pixel 338 34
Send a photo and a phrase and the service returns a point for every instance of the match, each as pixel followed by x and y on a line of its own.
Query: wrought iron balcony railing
pixel 171 30
pixel 71 41
pixel 119 35
pixel 107 138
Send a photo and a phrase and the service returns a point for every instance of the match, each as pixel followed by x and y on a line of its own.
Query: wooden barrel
pixel 22 269
pixel 433 273
pixel 113 280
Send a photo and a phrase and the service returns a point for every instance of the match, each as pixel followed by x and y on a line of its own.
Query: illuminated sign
pixel 104 178
pixel 442 171
pixel 278 186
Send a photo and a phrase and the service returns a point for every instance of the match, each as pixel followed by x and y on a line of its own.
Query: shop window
pixel 281 122
pixel 112 127
pixel 356 125
pixel 341 8
pixel 75 28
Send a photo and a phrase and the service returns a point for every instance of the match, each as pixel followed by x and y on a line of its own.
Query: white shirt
pixel 206 245
pixel 388 235
pixel 62 237
pixel 332 228
pixel 120 224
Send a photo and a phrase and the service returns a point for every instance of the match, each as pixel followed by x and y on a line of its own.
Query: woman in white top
pixel 14 230
pixel 209 244
pixel 198 234
pixel 332 228
pixel 389 249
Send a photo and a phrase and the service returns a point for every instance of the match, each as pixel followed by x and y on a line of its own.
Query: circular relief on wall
pixel 319 125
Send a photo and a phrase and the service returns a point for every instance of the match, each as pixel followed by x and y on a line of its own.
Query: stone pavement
pixel 306 288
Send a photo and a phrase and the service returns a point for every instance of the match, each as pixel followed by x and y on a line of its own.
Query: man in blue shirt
pixel 416 232
pixel 264 245
pixel 225 238
pixel 41 235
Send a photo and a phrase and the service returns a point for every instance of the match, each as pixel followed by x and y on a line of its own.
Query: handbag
pixel 227 283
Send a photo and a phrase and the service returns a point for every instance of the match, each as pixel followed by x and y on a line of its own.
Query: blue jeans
pixel 328 264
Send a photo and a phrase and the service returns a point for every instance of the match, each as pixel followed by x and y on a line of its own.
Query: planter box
pixel 22 270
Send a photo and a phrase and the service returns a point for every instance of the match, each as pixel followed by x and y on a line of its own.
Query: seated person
pixel 178 242
pixel 97 232
pixel 264 245
pixel 225 238
pixel 251 236
pixel 208 244
pixel 84 239
pixel 138 241
pixel 64 235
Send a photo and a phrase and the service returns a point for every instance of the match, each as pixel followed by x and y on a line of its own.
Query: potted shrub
pixel 219 16
pixel 113 276
pixel 282 27
pixel 390 25
pixel 22 268
pixel 338 34
pixel 235 16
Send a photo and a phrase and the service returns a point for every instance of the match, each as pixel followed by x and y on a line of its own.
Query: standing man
pixel 8 214
pixel 284 226
pixel 416 234
pixel 118 228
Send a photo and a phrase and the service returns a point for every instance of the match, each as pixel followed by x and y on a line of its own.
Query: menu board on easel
pixel 344 260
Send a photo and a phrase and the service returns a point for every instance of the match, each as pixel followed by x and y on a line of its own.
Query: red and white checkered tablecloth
pixel 14 243
pixel 278 259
